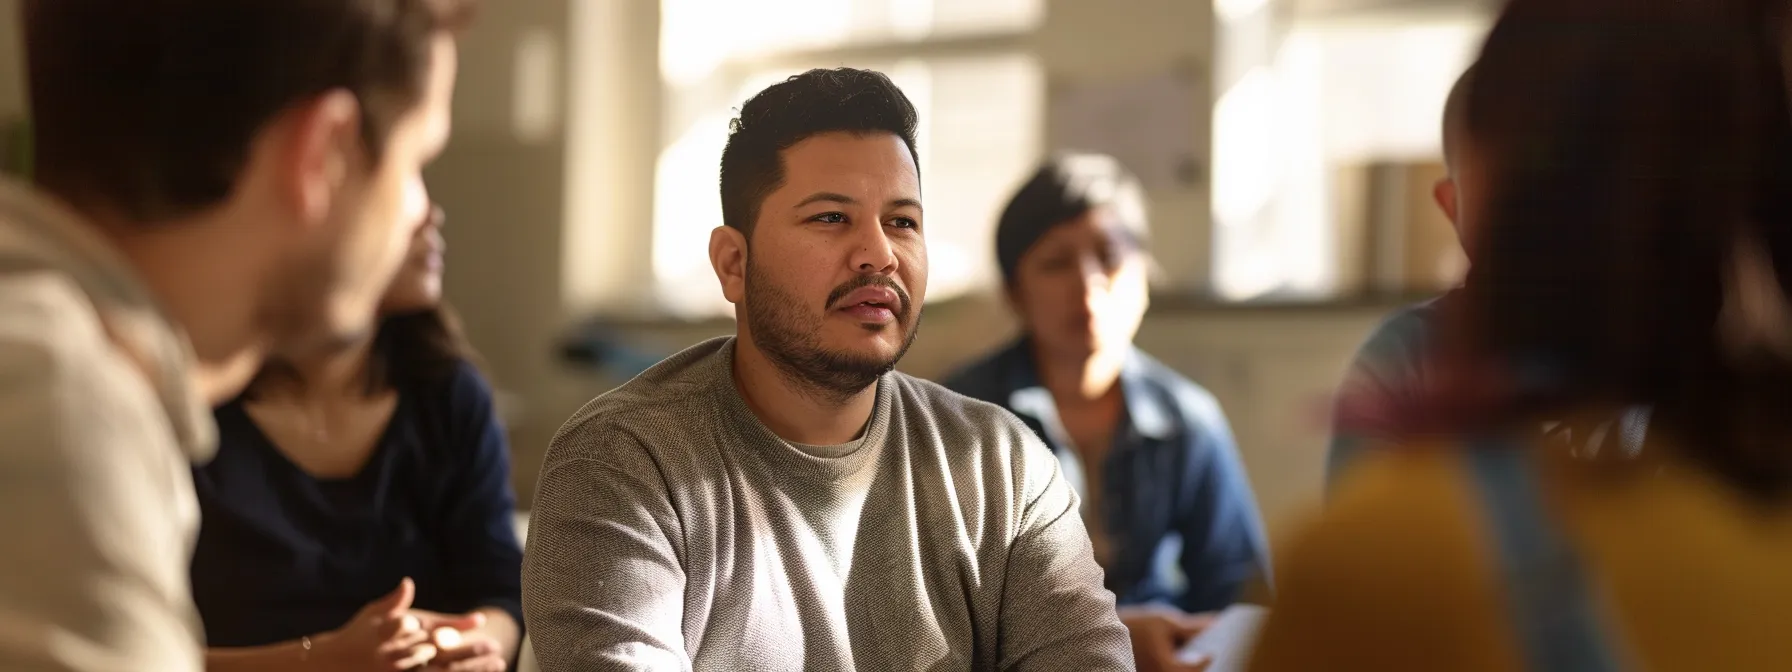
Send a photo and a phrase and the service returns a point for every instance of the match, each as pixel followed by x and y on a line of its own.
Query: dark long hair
pixel 1636 148
pixel 412 349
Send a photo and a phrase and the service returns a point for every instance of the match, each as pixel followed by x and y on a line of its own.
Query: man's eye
pixel 904 223
pixel 829 218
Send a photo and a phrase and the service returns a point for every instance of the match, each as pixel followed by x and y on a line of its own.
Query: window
pixel 1293 118
pixel 980 103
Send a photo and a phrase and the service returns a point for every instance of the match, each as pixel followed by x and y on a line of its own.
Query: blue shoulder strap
pixel 1552 607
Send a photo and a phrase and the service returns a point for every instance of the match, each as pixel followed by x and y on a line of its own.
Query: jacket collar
pixel 1147 413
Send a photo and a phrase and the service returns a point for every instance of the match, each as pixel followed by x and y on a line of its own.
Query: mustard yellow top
pixel 1400 573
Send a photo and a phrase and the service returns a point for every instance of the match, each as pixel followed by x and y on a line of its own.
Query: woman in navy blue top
pixel 360 502
pixel 1165 499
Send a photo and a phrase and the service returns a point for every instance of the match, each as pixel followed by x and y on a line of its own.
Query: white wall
pixel 504 198
pixel 545 224
pixel 1085 42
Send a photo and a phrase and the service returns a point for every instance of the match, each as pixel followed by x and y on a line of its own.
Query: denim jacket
pixel 1178 510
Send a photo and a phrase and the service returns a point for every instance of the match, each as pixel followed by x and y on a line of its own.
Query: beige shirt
pixel 99 426
pixel 673 531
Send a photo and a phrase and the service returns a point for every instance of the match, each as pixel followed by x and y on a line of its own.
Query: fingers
pixel 403 640
pixel 397 602
pixel 417 657
pixel 407 591
pixel 446 638
pixel 463 622
pixel 477 648
pixel 403 625
pixel 1153 651
pixel 1187 626
pixel 1194 662
pixel 1198 621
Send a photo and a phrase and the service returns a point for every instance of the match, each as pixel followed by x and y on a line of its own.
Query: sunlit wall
pixel 1305 100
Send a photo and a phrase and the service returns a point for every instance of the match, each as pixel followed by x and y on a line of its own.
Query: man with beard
pixel 782 499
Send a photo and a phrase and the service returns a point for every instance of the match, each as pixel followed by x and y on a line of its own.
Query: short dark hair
pixel 784 114
pixel 1065 187
pixel 1455 124
pixel 148 107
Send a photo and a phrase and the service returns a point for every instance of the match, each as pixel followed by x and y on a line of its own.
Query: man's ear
pixel 1444 192
pixel 316 146
pixel 728 256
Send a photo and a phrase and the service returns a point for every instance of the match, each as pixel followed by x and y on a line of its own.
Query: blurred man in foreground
pixel 1390 365
pixel 1394 369
pixel 1632 250
pixel 217 179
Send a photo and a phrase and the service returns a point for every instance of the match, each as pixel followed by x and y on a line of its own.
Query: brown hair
pixel 1639 144
pixel 148 107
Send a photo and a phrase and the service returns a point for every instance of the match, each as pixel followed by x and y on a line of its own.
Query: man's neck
pixel 220 382
pixel 1080 379
pixel 208 294
pixel 792 410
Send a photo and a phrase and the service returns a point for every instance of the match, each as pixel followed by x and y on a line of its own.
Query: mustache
pixel 862 281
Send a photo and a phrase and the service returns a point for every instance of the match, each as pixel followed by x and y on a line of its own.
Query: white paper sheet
pixel 1230 639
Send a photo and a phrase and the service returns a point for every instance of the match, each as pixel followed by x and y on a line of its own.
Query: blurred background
pixel 1288 146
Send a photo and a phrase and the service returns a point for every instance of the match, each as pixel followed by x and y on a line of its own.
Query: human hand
pixel 462 643
pixel 1158 635
pixel 383 637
